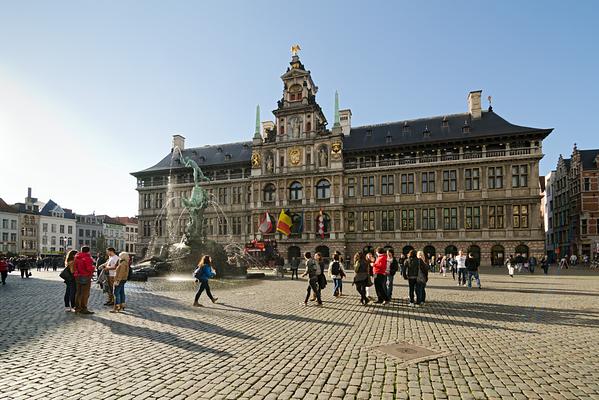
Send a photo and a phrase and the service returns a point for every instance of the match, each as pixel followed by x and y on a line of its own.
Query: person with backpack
pixel 122 274
pixel 411 269
pixel 68 276
pixel 393 267
pixel 203 273
pixel 337 274
pixel 472 265
pixel 361 277
pixel 313 272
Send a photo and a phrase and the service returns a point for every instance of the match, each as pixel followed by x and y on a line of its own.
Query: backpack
pixel 335 268
pixel 312 267
pixel 394 267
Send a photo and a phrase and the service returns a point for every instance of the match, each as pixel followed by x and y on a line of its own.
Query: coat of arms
pixel 295 155
pixel 336 150
pixel 256 159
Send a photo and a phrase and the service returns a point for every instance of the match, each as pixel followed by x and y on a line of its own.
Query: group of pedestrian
pixel 78 273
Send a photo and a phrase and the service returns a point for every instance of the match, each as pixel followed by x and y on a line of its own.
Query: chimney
pixel 178 141
pixel 345 121
pixel 474 104
pixel 29 192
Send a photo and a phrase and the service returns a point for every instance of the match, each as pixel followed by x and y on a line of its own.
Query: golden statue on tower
pixel 294 49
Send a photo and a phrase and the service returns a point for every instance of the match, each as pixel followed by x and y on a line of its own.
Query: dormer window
pixel 445 123
pixel 227 156
pixel 388 138
pixel 202 159
pixel 426 133
pixel 406 127
pixel 368 132
pixel 219 149
pixel 466 127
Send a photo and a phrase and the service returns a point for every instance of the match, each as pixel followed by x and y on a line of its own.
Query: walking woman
pixel 69 279
pixel 361 277
pixel 122 272
pixel 203 273
pixel 422 279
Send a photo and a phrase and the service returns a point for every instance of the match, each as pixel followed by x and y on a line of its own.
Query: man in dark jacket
pixel 472 264
pixel 410 272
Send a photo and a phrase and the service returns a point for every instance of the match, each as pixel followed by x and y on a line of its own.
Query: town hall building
pixel 455 181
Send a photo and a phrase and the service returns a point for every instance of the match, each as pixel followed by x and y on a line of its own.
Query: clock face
pixel 295 155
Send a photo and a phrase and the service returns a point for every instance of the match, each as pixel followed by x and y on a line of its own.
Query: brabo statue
pixel 196 203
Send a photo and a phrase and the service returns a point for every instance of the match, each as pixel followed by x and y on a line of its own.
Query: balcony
pixel 439 158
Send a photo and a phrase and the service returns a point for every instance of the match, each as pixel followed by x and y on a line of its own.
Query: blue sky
pixel 90 91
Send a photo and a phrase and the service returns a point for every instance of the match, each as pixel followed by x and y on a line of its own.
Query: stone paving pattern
pixel 527 337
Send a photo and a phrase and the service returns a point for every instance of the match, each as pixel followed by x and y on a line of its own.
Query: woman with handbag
pixel 122 272
pixel 361 277
pixel 203 273
pixel 69 279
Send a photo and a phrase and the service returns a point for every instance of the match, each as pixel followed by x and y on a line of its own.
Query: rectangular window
pixel 407 183
pixel 5 224
pixel 428 219
pixel 53 228
pixel 387 221
pixel 495 217
pixel 44 227
pixel 351 221
pixel 583 227
pixel 236 225
pixel 519 176
pixel 450 181
pixel 407 220
pixel 236 194
pixel 428 182
pixel 159 200
pixel 587 184
pixel 368 221
pixel 368 186
pixel 13 237
pixel 387 182
pixel 351 187
pixel 472 178
pixel 450 218
pixel 472 218
pixel 61 228
pixel 81 232
pixel 222 196
pixel 495 177
pixel 520 214
pixel 13 225
pixel 70 230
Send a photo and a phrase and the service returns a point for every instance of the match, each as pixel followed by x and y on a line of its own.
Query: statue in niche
pixel 323 157
pixel 295 127
pixel 269 164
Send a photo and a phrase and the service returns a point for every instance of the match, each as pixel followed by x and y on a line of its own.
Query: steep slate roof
pixel 489 125
pixel 4 207
pixel 50 205
pixel 587 158
pixel 240 152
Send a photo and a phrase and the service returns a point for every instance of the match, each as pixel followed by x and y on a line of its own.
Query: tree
pixel 101 244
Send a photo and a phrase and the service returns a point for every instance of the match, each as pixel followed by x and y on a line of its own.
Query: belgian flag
pixel 284 223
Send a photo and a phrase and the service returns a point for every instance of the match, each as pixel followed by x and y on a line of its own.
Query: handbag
pixel 66 274
pixel 83 280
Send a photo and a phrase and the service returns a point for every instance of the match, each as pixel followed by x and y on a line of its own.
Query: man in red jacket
pixel 3 269
pixel 379 268
pixel 84 270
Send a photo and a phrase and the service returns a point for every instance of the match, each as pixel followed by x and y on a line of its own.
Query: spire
pixel 337 120
pixel 257 134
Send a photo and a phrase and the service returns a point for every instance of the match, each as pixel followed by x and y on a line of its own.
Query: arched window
pixel 368 249
pixel 323 189
pixel 429 251
pixel 451 249
pixel 293 252
pixel 324 252
pixel 269 192
pixel 522 250
pixel 497 255
pixel 475 250
pixel 296 191
pixel 406 250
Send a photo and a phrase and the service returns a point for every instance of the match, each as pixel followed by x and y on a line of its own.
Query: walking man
pixel 410 272
pixel 110 268
pixel 313 272
pixel 379 268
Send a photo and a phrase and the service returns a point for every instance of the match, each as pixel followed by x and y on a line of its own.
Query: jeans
pixel 412 288
pixel 203 286
pixel 475 275
pixel 361 288
pixel 24 273
pixel 380 285
pixel 69 294
pixel 314 286
pixel 119 293
pixel 420 293
pixel 389 286
pixel 4 274
pixel 294 272
pixel 337 286
pixel 462 276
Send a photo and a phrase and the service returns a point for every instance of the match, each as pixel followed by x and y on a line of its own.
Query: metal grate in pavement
pixel 408 353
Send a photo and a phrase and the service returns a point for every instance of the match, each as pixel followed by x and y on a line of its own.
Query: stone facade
pixel 459 181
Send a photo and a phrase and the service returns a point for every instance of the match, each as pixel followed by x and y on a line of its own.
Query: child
pixel 203 273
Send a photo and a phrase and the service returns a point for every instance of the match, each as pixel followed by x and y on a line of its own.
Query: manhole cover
pixel 408 352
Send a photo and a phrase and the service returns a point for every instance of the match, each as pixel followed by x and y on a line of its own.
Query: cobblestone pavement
pixel 531 336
